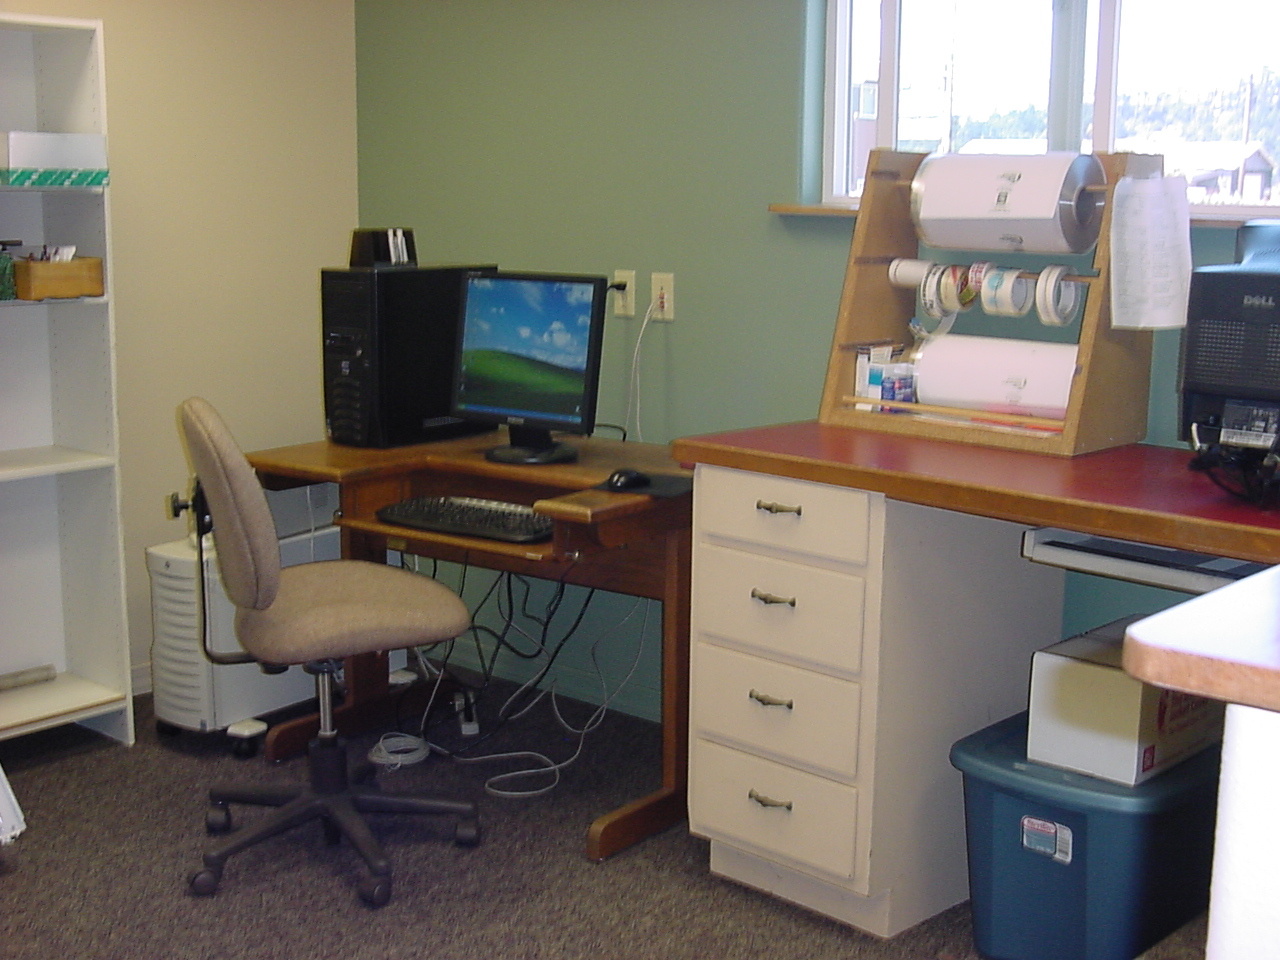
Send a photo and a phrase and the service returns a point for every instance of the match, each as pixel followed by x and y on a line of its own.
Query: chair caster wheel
pixel 467 833
pixel 217 820
pixel 375 891
pixel 204 882
pixel 244 749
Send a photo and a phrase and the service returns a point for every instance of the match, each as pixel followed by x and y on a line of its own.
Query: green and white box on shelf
pixel 30 159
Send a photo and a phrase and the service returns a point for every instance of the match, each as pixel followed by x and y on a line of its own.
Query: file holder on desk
pixel 1107 405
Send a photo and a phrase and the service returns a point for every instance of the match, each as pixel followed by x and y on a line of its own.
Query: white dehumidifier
pixel 189 691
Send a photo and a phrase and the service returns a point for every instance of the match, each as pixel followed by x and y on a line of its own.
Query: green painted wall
pixel 594 135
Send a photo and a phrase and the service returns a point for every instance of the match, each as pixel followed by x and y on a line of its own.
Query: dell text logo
pixel 1260 301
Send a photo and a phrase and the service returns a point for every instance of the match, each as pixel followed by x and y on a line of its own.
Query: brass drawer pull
pixel 758 594
pixel 764 801
pixel 771 507
pixel 769 701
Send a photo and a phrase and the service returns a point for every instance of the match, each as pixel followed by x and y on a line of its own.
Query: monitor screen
pixel 529 357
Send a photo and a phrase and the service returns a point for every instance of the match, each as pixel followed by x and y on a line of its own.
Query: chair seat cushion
pixel 340 608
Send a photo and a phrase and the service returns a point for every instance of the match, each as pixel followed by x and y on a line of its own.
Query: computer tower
pixel 389 338
pixel 189 691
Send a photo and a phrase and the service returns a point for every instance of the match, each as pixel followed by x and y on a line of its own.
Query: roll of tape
pixel 977 272
pixel 931 305
pixel 931 291
pixel 908 273
pixel 1005 293
pixel 1046 203
pixel 954 291
pixel 1057 300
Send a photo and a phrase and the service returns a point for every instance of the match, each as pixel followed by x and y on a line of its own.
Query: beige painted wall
pixel 232 136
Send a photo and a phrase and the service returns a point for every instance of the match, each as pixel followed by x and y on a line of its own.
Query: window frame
pixel 1066 95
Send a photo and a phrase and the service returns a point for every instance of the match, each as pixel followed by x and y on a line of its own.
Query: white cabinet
pixel 61 557
pixel 842 642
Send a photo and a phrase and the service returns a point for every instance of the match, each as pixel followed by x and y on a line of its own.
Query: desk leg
pixel 664 808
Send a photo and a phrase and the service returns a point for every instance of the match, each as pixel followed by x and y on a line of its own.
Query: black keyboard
pixel 470 517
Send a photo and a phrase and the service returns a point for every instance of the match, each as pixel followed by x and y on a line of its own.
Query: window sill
pixel 849 209
pixel 1200 216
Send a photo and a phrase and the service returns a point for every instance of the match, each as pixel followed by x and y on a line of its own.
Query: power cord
pixel 395 750
pixel 544 765
pixel 633 387
pixel 1247 473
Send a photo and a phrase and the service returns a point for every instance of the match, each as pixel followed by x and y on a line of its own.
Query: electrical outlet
pixel 662 293
pixel 624 301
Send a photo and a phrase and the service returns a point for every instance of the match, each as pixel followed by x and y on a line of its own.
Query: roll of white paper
pixel 997 375
pixel 1037 204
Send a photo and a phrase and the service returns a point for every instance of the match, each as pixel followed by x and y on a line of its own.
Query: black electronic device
pixel 390 335
pixel 1231 366
pixel 1231 346
pixel 627 479
pixel 529 357
pixel 470 517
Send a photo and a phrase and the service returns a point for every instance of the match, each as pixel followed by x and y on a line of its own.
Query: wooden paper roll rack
pixel 1107 405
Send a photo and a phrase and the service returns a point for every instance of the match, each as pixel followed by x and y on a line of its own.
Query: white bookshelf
pixel 61 555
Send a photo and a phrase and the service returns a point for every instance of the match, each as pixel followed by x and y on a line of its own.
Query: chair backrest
pixel 243 530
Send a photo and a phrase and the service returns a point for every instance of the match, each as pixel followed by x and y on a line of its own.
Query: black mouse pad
pixel 660 485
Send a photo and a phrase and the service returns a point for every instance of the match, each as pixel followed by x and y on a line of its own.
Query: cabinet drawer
pixel 780 607
pixel 812 518
pixel 794 714
pixel 734 796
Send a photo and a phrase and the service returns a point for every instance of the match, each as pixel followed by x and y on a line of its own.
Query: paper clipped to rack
pixel 1150 253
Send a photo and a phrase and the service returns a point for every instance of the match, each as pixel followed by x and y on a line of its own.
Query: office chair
pixel 311 614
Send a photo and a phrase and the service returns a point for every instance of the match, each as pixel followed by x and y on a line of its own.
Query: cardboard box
pixel 53 159
pixel 50 279
pixel 1088 715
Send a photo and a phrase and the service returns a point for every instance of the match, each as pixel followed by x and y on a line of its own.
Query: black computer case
pixel 389 338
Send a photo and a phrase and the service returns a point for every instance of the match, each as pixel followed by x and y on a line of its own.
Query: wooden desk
pixel 627 543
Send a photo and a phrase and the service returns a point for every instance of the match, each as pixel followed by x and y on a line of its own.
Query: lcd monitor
pixel 529 357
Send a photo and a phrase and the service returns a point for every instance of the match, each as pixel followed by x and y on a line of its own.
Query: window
pixel 1196 82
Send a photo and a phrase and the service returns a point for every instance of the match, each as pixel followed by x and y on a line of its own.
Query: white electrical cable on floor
pixel 394 750
pixel 544 764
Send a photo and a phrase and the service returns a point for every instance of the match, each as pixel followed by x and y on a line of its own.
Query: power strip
pixel 465 706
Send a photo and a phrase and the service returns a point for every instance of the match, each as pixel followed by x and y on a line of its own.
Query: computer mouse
pixel 626 479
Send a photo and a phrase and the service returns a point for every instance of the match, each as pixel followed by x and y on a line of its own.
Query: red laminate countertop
pixel 1135 492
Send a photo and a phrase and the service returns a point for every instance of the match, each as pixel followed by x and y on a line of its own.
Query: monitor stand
pixel 531 446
